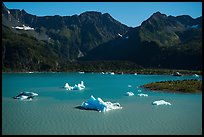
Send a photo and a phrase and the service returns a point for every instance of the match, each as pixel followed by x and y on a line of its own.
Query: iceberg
pixel 68 87
pixel 26 95
pixel 79 86
pixel 130 93
pixel 81 72
pixel 98 104
pixel 141 94
pixel 112 73
pixel 161 102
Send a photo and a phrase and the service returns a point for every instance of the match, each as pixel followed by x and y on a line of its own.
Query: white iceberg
pixel 79 86
pixel 26 96
pixel 99 105
pixel 81 72
pixel 141 94
pixel 112 73
pixel 68 87
pixel 161 102
pixel 130 93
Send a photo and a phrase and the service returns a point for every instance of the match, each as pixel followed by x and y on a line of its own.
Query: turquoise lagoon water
pixel 55 110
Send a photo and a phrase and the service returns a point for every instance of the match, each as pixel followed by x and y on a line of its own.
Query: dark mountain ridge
pixel 160 42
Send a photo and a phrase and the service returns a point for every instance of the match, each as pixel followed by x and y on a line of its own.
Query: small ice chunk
pixel 81 72
pixel 141 94
pixel 26 95
pixel 161 102
pixel 129 86
pixel 130 93
pixel 112 73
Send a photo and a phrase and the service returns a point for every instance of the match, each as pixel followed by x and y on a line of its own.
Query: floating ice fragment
pixel 26 95
pixel 130 93
pixel 129 86
pixel 68 87
pixel 79 86
pixel 141 94
pixel 112 73
pixel 81 72
pixel 161 102
pixel 99 105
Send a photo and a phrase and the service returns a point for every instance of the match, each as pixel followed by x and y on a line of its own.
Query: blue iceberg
pixel 26 96
pixel 99 105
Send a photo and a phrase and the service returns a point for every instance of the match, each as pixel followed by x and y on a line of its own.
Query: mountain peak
pixel 158 14
pixel 90 13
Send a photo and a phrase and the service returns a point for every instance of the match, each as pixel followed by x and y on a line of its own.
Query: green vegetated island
pixel 182 86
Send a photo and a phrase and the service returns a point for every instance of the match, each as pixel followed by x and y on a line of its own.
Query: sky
pixel 131 14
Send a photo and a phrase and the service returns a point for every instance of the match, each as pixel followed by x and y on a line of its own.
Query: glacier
pixel 98 104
